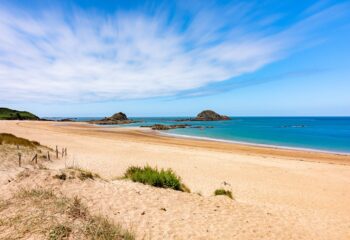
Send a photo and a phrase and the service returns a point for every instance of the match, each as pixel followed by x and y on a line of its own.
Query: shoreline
pixel 271 146
pixel 146 136
pixel 287 153
pixel 213 139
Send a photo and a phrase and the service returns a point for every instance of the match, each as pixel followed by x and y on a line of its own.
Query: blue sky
pixel 175 58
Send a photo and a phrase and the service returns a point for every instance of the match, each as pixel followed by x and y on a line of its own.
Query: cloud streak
pixel 86 57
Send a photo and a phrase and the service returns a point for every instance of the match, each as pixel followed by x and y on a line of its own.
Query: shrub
pixel 154 177
pixel 223 192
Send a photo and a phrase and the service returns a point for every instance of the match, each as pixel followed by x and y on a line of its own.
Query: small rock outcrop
pixel 209 115
pixel 166 127
pixel 117 118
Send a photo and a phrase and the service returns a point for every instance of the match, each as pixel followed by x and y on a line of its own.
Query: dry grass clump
pixel 223 192
pixel 100 228
pixel 39 213
pixel 61 176
pixel 157 178
pixel 82 174
pixel 76 209
pixel 6 138
pixel 35 194
pixel 59 231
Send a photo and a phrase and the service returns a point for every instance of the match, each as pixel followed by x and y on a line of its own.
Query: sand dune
pixel 279 194
pixel 154 213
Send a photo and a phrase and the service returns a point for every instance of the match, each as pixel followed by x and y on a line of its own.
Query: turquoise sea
pixel 318 133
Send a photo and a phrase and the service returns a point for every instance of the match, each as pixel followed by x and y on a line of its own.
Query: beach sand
pixel 279 194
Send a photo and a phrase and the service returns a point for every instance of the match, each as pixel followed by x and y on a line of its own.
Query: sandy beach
pixel 279 193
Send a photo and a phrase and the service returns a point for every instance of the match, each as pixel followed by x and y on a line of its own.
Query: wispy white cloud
pixel 82 57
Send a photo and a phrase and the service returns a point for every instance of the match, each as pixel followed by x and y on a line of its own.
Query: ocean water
pixel 318 133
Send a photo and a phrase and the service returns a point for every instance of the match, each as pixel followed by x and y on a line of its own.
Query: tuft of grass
pixel 154 177
pixel 6 138
pixel 76 209
pixel 35 193
pixel 99 228
pixel 61 176
pixel 84 174
pixel 223 192
pixel 3 204
pixel 59 232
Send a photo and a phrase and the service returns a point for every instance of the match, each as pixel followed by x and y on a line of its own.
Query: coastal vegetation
pixel 223 192
pixel 6 138
pixel 157 178
pixel 10 114
pixel 83 174
pixel 39 213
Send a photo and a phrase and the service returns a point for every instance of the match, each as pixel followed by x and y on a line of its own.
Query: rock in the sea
pixel 67 120
pixel 209 115
pixel 117 118
pixel 166 127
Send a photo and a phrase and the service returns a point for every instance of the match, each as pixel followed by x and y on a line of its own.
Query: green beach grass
pixel 157 178
pixel 223 192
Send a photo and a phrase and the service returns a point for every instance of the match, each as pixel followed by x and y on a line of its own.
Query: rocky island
pixel 206 115
pixel 209 115
pixel 117 118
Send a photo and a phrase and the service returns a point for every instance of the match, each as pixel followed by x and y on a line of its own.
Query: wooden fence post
pixel 65 151
pixel 56 151
pixel 19 159
pixel 35 159
pixel 62 152
pixel 48 155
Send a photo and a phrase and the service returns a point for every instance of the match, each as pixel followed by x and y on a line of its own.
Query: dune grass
pixel 223 192
pixel 35 193
pixel 60 231
pixel 39 213
pixel 84 174
pixel 6 138
pixel 157 178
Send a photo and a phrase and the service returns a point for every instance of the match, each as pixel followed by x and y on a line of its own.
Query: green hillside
pixel 9 114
